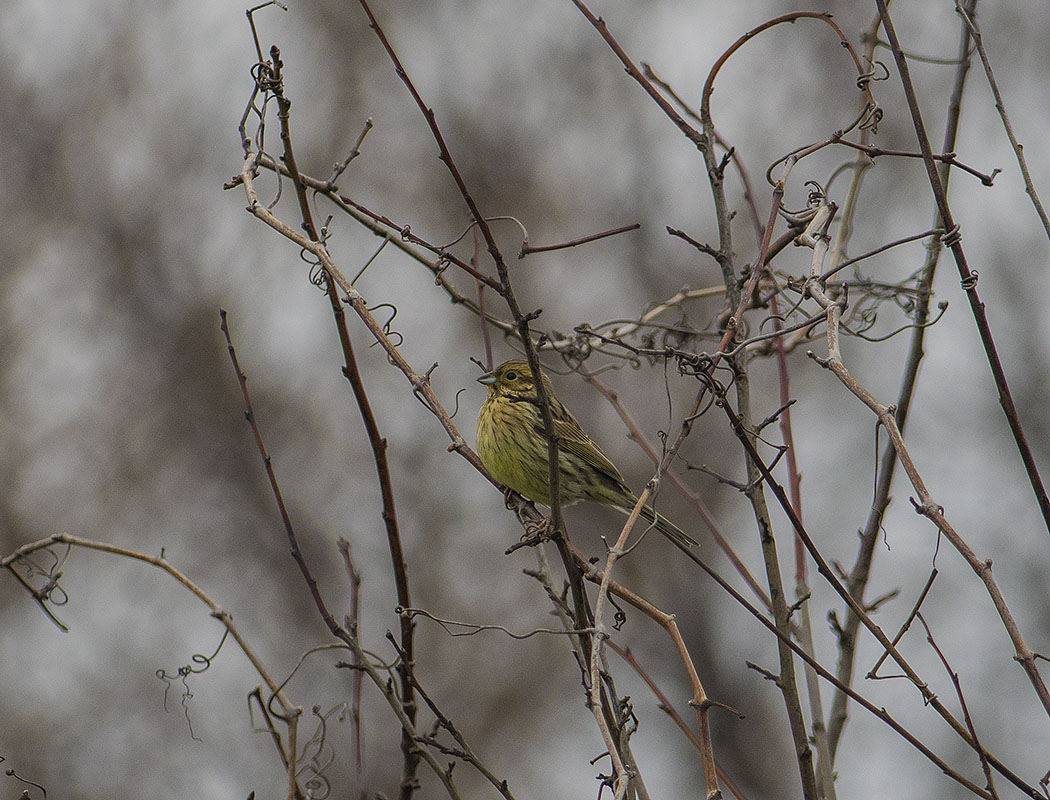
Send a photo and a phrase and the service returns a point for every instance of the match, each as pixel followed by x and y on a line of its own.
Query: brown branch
pixel 863 80
pixel 286 520
pixel 880 249
pixel 692 134
pixel 386 689
pixel 620 776
pixel 463 750
pixel 400 236
pixel 826 571
pixel 787 682
pixel 642 605
pixel 527 249
pixel 378 223
pixel 741 301
pixel 354 622
pixel 694 500
pixel 926 507
pixel 422 385
pixel 521 320
pixel 410 753
pixel 700 702
pixel 873 672
pixel 290 714
pixel 967 277
pixel 951 159
pixel 485 337
pixel 665 705
pixel 393 534
pixel 824 771
pixel 339 168
pixel 861 571
pixel 954 676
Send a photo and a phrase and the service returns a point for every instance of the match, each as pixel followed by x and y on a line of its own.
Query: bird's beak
pixel 487 379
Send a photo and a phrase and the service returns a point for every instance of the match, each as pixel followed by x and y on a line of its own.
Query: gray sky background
pixel 121 418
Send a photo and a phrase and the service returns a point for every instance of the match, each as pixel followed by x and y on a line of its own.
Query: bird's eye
pixel 511 376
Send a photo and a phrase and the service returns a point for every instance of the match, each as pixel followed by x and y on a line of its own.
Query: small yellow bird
pixel 513 447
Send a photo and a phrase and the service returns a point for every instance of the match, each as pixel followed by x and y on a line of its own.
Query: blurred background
pixel 122 421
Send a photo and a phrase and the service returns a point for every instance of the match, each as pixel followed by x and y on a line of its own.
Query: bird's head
pixel 513 378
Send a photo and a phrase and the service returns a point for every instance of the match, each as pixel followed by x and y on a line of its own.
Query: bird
pixel 512 444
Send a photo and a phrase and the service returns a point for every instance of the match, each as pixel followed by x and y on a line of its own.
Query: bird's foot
pixel 537 531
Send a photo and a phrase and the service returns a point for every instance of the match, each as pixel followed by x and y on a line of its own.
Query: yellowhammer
pixel 513 447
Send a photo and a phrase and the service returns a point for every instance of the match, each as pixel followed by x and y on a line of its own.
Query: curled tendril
pixel 878 72
pixel 49 591
pixel 316 276
pixel 456 409
pixel 619 617
pixel 952 237
pixel 474 224
pixel 264 76
pixel 199 663
pixel 442 264
pixel 814 200
pixel 866 315
pixel 318 754
pixel 816 194
pixel 25 793
pixel 942 308
pixel 871 118
pixel 318 787
pixel 696 365
pixel 280 185
pixel 386 325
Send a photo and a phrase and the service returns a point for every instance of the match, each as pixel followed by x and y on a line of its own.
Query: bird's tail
pixel 668 528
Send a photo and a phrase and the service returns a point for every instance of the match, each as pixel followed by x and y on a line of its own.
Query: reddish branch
pixel 410 751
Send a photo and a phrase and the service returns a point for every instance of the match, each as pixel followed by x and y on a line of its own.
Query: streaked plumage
pixel 513 448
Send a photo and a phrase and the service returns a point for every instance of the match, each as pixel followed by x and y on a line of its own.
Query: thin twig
pixel 527 249
pixel 969 17
pixel 354 622
pixel 873 672
pixel 954 676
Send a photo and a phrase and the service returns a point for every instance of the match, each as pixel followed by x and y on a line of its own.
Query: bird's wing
pixel 574 441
